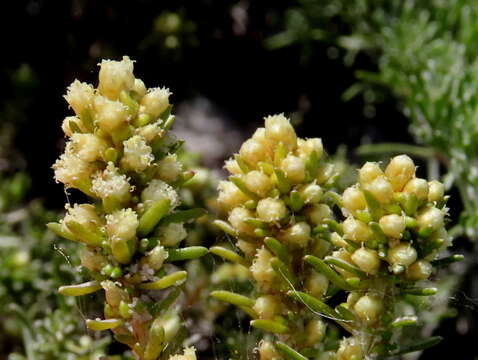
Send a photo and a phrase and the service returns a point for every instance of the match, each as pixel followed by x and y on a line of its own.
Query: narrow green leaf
pixel 314 304
pixel 226 227
pixel 420 291
pixel 417 346
pixel 233 298
pixel 165 303
pixel 321 267
pixel 242 186
pixel 282 183
pixel 173 279
pixel 99 325
pixel 152 216
pixel 447 260
pixel 404 321
pixel 284 271
pixel 270 325
pixel 83 234
pixel 241 163
pixel 373 205
pixel 57 229
pixel 296 201
pixel 288 352
pixel 187 253
pixel 277 248
pixel 345 265
pixel 228 255
pixel 80 289
pixel 183 216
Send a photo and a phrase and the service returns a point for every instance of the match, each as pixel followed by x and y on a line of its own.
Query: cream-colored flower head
pixel 156 101
pixel 110 183
pixel 137 154
pixel 116 76
pixel 157 190
pixel 80 97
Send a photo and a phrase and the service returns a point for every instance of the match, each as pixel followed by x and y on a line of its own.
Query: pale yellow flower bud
pixel 353 199
pixel 315 331
pixel 381 189
pixel 369 172
pixel 137 154
pixel 65 126
pixel 417 186
pixel 261 137
pixel 155 258
pixel 267 306
pixel 316 284
pixel 297 234
pixel 85 215
pixel 110 115
pixel 150 131
pixel 156 101
pixel 92 260
pixel 258 182
pixel 270 209
pixel 350 349
pixel 306 147
pixel 399 171
pixel 393 225
pixel 238 217
pixel 158 190
pixel 430 218
pixel 122 224
pixel 403 255
pixel 345 256
pixel 252 151
pixel 70 169
pixel 115 76
pixel 294 168
pixel 317 213
pixel 80 97
pixel 267 351
pixel 436 191
pixel 139 87
pixel 367 260
pixel 230 196
pixel 337 240
pixel 419 270
pixel 114 294
pixel 247 248
pixel 279 129
pixel 311 193
pixel 262 270
pixel 111 184
pixel 232 167
pixel 356 230
pixel 87 147
pixel 169 168
pixel 172 234
pixel 369 308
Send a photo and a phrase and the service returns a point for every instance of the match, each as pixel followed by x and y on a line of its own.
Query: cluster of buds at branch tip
pixel 278 204
pixel 121 154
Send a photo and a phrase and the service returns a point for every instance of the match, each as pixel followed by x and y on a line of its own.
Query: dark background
pixel 221 56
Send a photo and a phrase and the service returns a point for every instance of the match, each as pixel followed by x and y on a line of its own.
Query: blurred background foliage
pixel 400 74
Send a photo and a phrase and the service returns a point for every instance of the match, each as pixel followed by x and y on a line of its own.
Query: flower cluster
pixel 121 154
pixel 275 200
pixel 279 206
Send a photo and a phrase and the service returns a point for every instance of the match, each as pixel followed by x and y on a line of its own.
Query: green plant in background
pixel 36 321
pixel 278 202
pixel 122 155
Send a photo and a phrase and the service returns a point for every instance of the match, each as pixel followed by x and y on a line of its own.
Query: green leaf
pixel 321 267
pixel 236 180
pixel 447 260
pixel 80 289
pixel 288 352
pixel 100 325
pixel 187 253
pixel 183 216
pixel 152 216
pixel 228 255
pixel 173 279
pixel 270 325
pixel 345 265
pixel 233 298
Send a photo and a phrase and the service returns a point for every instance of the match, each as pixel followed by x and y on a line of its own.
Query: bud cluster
pixel 278 204
pixel 120 153
pixel 394 229
pixel 274 202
